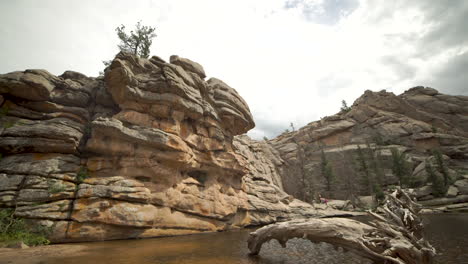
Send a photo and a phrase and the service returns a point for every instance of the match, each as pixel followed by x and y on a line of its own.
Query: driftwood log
pixel 395 237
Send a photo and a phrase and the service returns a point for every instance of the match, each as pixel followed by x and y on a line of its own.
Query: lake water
pixel 448 233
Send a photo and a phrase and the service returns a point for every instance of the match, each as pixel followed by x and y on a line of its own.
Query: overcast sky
pixel 291 60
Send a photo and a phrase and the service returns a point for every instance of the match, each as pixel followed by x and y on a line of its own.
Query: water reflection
pixel 448 233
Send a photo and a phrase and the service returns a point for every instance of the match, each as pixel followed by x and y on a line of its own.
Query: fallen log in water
pixel 395 238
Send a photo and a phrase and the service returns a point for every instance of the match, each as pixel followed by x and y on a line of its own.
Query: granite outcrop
pixel 147 150
pixel 377 129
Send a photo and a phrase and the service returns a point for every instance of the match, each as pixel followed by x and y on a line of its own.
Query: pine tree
pixel 344 106
pixel 364 169
pixel 326 170
pixel 138 41
pixel 400 166
pixel 438 188
pixel 441 166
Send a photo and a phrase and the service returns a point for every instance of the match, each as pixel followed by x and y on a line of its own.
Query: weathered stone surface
pixel 445 201
pixel 55 210
pixel 60 135
pixel 169 85
pixel 153 149
pixel 234 111
pixel 40 85
pixel 462 186
pixel 267 202
pixel 118 188
pixel 34 85
pixel 19 245
pixel 377 122
pixel 138 215
pixel 423 191
pixel 10 182
pixel 39 164
pixel 188 65
pixel 36 189
pixel 452 191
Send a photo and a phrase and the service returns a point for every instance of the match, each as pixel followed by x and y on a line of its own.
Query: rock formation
pixel 148 150
pixel 416 123
pixel 152 149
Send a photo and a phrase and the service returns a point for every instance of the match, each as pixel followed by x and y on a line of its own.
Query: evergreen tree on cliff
pixel 138 41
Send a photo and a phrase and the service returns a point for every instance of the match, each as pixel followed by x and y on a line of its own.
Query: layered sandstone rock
pixel 415 122
pixel 148 150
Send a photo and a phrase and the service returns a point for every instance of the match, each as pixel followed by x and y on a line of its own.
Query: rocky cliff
pixel 416 123
pixel 153 149
pixel 148 150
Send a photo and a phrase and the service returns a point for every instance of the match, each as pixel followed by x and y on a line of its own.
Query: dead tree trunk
pixel 395 238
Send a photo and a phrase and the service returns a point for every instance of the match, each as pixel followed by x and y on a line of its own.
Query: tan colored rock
pixel 39 164
pixel 138 215
pixel 423 191
pixel 10 182
pixel 19 245
pixel 452 191
pixel 385 121
pixel 99 232
pixel 118 188
pixel 462 186
pixel 34 85
pixel 234 111
pixel 188 65
pixel 58 210
pixel 54 135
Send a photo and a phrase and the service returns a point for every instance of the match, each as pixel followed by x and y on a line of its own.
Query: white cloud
pixel 292 61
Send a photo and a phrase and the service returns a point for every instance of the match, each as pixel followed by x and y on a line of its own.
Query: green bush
pixel 438 187
pixel 378 193
pixel 82 174
pixel 326 170
pixel 4 111
pixel 8 124
pixel 344 107
pixel 401 167
pixel 14 230
pixel 56 187
pixel 442 167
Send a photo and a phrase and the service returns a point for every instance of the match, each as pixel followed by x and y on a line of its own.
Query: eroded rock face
pixel 148 150
pixel 415 123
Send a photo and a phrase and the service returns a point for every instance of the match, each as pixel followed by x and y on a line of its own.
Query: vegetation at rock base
pixel 378 139
pixel 4 111
pixel 370 168
pixel 56 187
pixel 8 124
pixel 438 188
pixel 326 170
pixel 82 174
pixel 14 229
pixel 441 166
pixel 401 167
pixel 439 175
